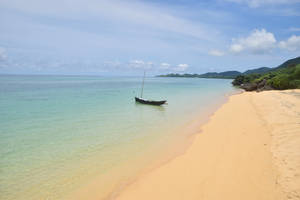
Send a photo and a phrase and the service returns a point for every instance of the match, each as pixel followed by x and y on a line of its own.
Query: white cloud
pixel 165 66
pixel 236 48
pixel 291 44
pixel 258 42
pixel 2 53
pixel 258 3
pixel 136 63
pixel 262 42
pixel 140 64
pixel 181 67
pixel 215 52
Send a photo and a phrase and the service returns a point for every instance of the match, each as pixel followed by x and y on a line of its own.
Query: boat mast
pixel 143 84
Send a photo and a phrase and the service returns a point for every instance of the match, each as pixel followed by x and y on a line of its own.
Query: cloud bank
pixel 260 42
pixel 216 52
pixel 291 44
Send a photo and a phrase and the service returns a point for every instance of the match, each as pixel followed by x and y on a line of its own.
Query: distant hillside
pixel 260 70
pixel 285 76
pixel 227 74
pixel 287 63
pixel 180 75
pixel 233 74
pixel 223 75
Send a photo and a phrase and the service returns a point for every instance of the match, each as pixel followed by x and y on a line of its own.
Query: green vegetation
pixel 285 78
pixel 260 70
pixel 225 75
pixel 280 78
pixel 241 79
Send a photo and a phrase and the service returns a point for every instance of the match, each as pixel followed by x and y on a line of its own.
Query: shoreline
pixel 176 148
pixel 245 162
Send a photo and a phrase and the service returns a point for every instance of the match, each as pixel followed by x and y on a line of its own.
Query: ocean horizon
pixel 60 132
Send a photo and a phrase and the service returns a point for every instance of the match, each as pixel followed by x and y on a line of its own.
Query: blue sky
pixel 109 37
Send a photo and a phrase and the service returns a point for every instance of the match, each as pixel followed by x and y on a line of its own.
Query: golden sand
pixel 250 149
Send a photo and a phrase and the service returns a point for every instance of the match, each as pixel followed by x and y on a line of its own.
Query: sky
pixel 125 37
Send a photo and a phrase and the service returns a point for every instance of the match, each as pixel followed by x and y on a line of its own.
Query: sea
pixel 60 133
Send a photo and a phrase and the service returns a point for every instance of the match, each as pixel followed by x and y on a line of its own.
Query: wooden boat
pixel 149 102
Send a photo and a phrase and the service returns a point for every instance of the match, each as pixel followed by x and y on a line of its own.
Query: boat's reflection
pixel 154 107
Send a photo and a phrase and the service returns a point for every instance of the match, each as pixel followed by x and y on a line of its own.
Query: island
pixel 284 76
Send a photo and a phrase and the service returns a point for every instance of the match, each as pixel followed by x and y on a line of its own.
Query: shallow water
pixel 58 132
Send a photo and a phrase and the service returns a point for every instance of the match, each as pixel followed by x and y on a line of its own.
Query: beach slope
pixel 248 150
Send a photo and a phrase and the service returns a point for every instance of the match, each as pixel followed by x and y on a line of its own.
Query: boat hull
pixel 150 102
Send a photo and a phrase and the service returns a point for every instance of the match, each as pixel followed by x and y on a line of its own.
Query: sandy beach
pixel 150 100
pixel 250 149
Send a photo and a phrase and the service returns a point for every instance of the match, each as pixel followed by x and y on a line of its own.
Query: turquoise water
pixel 58 132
